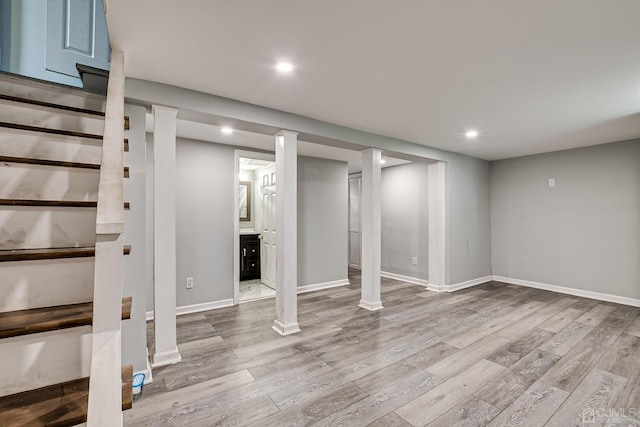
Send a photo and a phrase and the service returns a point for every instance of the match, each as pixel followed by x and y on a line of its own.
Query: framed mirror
pixel 244 200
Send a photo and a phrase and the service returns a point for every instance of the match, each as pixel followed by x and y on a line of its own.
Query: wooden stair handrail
pixel 105 387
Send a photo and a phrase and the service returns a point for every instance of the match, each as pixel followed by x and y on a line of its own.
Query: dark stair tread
pixel 51 253
pixel 60 405
pixel 53 203
pixel 56 163
pixel 57 132
pixel 36 320
pixel 50 130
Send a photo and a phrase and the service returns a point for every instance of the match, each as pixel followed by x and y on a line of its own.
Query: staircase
pixel 61 224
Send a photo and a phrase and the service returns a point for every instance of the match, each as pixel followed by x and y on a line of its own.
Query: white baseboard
pixel 324 285
pixel 410 279
pixel 467 284
pixel 570 291
pixel 196 308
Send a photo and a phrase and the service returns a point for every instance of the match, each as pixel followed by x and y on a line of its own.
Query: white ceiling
pixel 532 76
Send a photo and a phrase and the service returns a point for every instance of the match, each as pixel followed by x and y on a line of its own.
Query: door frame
pixel 236 218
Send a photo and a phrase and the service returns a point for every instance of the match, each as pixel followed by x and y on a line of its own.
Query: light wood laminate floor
pixel 494 354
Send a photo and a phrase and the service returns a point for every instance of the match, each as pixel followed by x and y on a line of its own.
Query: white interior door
pixel 267 182
pixel 355 191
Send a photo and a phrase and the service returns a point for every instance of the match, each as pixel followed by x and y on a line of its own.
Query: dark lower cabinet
pixel 249 257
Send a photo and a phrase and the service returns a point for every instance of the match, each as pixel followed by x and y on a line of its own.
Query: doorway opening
pixel 254 214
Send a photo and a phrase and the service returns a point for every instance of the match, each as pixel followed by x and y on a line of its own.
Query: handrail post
pixel 105 384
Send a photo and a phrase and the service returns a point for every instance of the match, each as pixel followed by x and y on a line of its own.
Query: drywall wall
pixel 583 233
pixel 405 220
pixel 322 220
pixel 134 331
pixel 204 221
pixel 468 219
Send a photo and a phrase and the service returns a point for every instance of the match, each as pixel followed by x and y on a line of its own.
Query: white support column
pixel 437 225
pixel 286 321
pixel 165 350
pixel 371 234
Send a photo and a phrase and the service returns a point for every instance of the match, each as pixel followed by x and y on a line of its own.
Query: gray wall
pixel 322 220
pixel 204 221
pixel 134 331
pixel 584 233
pixel 468 219
pixel 405 220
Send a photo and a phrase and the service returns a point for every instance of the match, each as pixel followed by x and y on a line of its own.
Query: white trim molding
pixel 468 284
pixel 410 279
pixel 197 308
pixel 148 374
pixel 321 286
pixel 570 291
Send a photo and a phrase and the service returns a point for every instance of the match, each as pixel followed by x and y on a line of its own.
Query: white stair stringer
pixel 45 283
pixel 37 360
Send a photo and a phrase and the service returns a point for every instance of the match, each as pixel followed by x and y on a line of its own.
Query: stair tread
pixel 50 130
pixel 51 105
pixel 51 253
pixel 53 203
pixel 56 163
pixel 61 405
pixel 35 320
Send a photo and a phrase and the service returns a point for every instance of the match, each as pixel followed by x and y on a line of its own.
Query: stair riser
pixel 38 116
pixel 35 284
pixel 48 93
pixel 50 147
pixel 38 360
pixel 46 227
pixel 19 181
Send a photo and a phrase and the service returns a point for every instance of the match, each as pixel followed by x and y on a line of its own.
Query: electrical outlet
pixel 415 260
pixel 552 182
pixel 189 282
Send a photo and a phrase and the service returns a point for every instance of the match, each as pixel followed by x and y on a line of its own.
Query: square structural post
pixel 165 350
pixel 371 234
pixel 286 321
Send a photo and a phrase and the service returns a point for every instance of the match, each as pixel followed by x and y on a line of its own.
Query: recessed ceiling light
pixel 285 67
pixel 471 134
pixel 226 130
